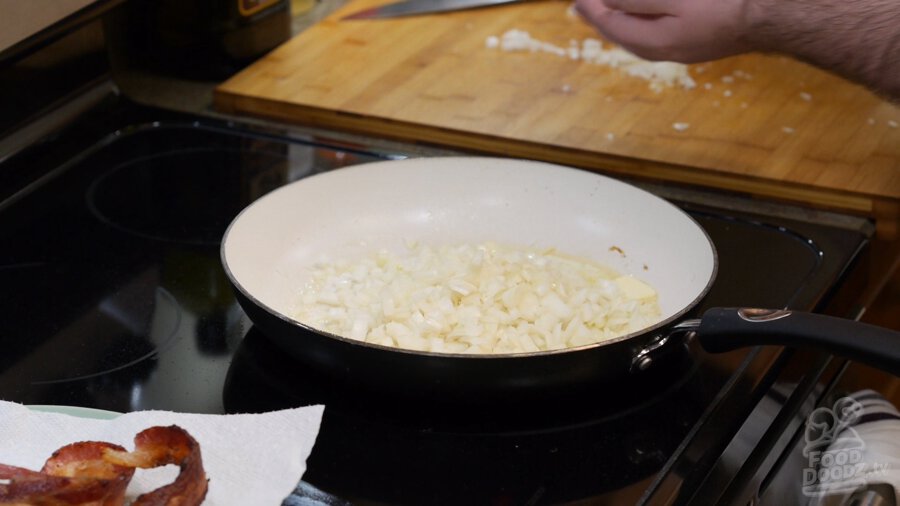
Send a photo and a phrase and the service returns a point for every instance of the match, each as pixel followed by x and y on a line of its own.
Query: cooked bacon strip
pixel 74 474
pixel 91 473
pixel 159 446
pixel 24 485
pixel 85 460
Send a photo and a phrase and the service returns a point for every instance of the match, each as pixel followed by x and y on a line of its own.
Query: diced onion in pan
pixel 476 299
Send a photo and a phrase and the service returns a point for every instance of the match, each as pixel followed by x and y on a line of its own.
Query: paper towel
pixel 249 458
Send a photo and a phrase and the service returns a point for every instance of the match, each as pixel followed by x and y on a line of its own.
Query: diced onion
pixel 476 299
pixel 660 74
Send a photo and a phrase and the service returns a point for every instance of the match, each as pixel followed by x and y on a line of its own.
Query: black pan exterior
pixel 465 199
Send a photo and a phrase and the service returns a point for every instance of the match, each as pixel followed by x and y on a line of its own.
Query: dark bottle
pixel 208 39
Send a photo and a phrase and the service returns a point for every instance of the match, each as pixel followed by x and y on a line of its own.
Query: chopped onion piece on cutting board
pixel 660 74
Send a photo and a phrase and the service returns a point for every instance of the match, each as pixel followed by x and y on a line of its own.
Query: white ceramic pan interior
pixel 347 213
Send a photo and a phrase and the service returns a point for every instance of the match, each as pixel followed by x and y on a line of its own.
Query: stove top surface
pixel 115 298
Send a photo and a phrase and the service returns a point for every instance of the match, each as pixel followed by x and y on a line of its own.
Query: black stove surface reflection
pixel 115 298
pixel 110 272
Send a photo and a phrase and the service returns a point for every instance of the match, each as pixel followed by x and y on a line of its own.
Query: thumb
pixel 594 11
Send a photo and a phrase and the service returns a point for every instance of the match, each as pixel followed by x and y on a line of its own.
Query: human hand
pixel 686 31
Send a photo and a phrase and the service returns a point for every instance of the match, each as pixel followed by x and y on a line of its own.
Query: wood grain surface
pixel 764 125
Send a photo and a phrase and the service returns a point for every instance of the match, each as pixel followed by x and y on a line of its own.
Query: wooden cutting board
pixel 765 125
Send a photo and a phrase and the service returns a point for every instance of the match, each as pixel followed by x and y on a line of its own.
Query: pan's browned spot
pixel 617 249
pixel 646 268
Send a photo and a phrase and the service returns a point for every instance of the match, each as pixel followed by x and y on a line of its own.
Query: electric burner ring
pixel 186 196
pixel 164 343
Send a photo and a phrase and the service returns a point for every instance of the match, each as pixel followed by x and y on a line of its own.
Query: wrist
pixel 858 40
pixel 758 28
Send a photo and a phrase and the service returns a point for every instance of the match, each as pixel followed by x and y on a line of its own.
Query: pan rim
pixel 649 332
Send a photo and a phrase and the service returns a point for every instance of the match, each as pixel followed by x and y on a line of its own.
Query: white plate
pixel 96 414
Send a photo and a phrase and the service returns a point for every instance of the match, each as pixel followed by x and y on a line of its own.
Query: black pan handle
pixel 726 329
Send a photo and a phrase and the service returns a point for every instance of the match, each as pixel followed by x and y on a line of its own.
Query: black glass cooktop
pixel 114 298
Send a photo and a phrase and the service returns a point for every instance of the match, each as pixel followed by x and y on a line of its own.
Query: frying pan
pixel 270 247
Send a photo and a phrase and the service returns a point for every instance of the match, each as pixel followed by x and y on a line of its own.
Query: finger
pixel 643 36
pixel 590 9
pixel 657 7
pixel 593 11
